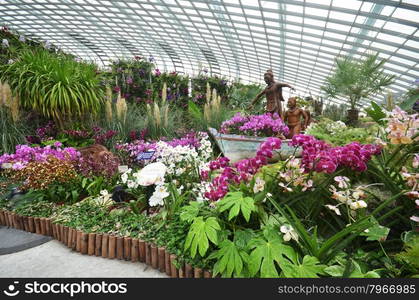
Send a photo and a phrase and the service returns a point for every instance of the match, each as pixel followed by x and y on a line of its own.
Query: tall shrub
pixel 54 85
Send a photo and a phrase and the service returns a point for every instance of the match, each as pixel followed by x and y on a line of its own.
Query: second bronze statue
pixel 273 93
pixel 293 117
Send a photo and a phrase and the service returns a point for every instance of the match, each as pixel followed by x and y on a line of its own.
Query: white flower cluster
pixel 181 158
pixel 173 161
pixel 344 194
pixel 335 127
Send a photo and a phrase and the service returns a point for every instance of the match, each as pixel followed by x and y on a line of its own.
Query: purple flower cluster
pixel 256 125
pixel 242 171
pixel 25 154
pixel 322 157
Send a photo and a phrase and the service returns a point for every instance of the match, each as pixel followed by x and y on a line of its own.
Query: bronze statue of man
pixel 273 93
pixel 292 118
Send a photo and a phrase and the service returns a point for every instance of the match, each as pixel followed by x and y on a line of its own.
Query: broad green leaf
pixel 190 211
pixel 376 233
pixel 235 203
pixel 268 252
pixel 200 234
pixel 309 268
pixel 337 271
pixel 230 259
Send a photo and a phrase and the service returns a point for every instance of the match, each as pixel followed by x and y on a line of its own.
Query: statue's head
pixel 268 76
pixel 292 102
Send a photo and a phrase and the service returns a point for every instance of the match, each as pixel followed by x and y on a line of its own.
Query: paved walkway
pixel 52 259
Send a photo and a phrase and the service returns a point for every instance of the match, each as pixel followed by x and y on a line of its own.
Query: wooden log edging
pixel 105 245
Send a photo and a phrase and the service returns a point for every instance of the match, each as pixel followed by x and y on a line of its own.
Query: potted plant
pixel 240 137
pixel 357 79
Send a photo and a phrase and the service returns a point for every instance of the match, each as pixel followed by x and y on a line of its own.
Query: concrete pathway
pixel 52 259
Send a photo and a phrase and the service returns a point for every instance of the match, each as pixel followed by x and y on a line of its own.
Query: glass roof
pixel 298 39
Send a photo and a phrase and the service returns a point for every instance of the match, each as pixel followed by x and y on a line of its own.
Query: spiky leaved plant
pixel 55 85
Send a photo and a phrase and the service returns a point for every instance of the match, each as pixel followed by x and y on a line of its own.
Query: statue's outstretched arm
pixel 283 84
pixel 258 96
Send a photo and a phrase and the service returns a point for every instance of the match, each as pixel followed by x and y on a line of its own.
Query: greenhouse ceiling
pixel 234 38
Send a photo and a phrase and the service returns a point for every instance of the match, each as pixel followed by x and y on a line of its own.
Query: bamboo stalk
pixel 167 266
pixel 10 217
pixel 120 247
pixel 25 223
pixel 91 244
pixel 161 254
pixel 54 233
pixel 84 243
pixel 181 271
pixel 63 233
pixel 197 273
pixel 74 240
pixel 69 237
pixel 112 246
pixel 14 221
pixel 154 256
pixel 21 225
pixel 48 227
pixel 59 232
pixel 37 225
pixel 98 244
pixel 173 269
pixel 17 221
pixel 105 245
pixel 127 248
pixel 6 218
pixel 147 254
pixel 188 271
pixel 78 241
pixel 207 274
pixel 141 250
pixel 43 226
pixel 134 250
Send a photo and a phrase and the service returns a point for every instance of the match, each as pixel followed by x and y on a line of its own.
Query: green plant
pixel 55 85
pixel 409 257
pixel 335 112
pixel 241 94
pixel 357 79
pixel 11 133
pixel 376 113
pixel 201 232
pixel 234 203
pixel 338 134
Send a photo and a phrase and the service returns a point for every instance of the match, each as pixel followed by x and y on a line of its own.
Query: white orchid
pixel 358 204
pixel 131 184
pixel 289 233
pixel 104 192
pixel 151 174
pixel 159 194
pixel 343 181
pixel 333 208
pixel 124 177
pixel 259 185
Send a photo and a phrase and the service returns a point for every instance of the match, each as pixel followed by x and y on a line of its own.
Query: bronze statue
pixel 293 116
pixel 273 93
